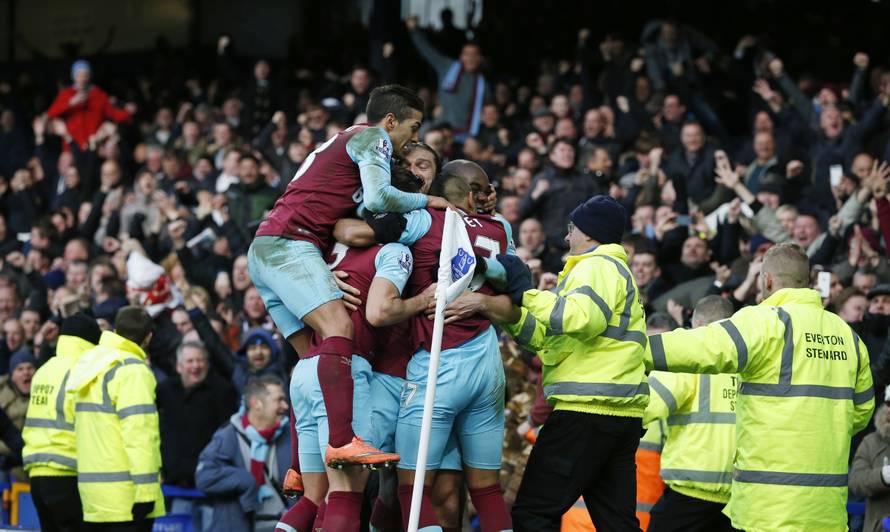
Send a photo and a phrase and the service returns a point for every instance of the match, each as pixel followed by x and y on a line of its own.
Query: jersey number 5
pixel 492 246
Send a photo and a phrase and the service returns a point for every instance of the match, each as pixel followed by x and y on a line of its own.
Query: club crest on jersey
pixel 383 148
pixel 405 261
pixel 461 264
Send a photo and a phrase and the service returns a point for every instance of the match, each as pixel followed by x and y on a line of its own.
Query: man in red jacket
pixel 84 106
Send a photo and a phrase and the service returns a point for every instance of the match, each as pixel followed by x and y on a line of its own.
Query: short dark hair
pixel 249 157
pixel 394 99
pixel 133 323
pixel 561 140
pixel 451 187
pixel 405 180
pixel 257 386
pixel 112 287
pixel 661 320
pixel 712 308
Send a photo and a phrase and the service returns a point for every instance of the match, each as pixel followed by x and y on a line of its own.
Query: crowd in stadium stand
pixel 152 194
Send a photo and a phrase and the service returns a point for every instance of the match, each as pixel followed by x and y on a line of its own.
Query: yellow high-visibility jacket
pixel 49 426
pixel 700 414
pixel 805 389
pixel 590 336
pixel 116 429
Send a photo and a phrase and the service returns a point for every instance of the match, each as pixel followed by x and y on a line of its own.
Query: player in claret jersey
pixel 286 258
pixel 470 393
pixel 379 273
pixel 470 381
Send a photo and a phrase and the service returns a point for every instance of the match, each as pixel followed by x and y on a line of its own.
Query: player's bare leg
pixel 332 322
pixel 446 494
pixel 300 340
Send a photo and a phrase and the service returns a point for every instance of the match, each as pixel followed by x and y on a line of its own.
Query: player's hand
pixel 430 310
pixel 435 202
pixel 466 305
pixel 350 293
pixel 387 226
pixel 490 203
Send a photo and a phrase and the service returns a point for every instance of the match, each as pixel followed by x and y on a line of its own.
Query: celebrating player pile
pixel 340 406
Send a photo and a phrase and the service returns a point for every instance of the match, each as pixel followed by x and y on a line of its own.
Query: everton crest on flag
pixel 457 263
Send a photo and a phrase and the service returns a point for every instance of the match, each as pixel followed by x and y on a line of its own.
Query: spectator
pixel 867 472
pixel 462 88
pixel 12 341
pixel 647 274
pixel 251 198
pixel 30 321
pixel 692 168
pixel 9 302
pixel 15 392
pixel 85 106
pixel 851 305
pixel 247 496
pixel 532 241
pixel 556 191
pixel 151 288
pixel 190 409
pixel 694 262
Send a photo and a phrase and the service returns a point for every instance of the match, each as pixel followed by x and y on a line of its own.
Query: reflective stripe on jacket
pixel 590 335
pixel 700 441
pixel 116 429
pixel 805 389
pixel 49 426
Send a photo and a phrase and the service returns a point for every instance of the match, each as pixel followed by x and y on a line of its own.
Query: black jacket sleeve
pixel 12 437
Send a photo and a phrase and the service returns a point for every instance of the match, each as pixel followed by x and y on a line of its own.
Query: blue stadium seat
pixel 28 512
pixel 173 523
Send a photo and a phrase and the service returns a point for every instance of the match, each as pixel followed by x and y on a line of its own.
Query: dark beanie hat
pixel 601 218
pixel 22 356
pixel 81 326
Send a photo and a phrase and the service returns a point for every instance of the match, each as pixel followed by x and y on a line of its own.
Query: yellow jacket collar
pixel 611 250
pixel 118 342
pixel 72 346
pixel 806 296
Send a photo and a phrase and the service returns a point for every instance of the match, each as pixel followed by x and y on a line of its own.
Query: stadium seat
pixel 173 523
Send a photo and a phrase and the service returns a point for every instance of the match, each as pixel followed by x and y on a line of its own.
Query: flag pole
pixel 435 349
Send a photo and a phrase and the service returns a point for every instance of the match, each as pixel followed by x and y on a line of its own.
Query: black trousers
pixel 581 454
pixel 58 503
pixel 675 512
